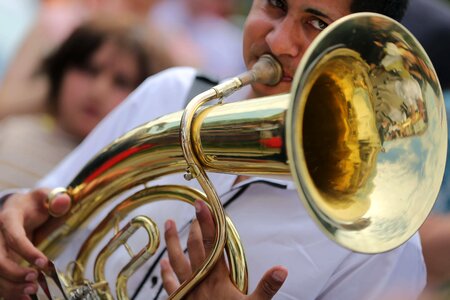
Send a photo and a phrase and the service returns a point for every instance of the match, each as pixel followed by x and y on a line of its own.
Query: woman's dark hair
pixel 391 8
pixel 85 40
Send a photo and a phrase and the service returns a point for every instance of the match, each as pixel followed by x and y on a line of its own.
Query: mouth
pixel 286 77
pixel 91 112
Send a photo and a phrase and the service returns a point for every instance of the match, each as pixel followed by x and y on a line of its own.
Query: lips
pixel 91 111
pixel 287 75
pixel 286 78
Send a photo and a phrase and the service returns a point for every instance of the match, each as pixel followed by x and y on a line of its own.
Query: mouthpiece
pixel 267 70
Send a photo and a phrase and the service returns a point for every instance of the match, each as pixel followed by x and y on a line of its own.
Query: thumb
pixel 59 204
pixel 270 283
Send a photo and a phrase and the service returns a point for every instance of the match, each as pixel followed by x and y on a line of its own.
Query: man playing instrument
pixel 318 268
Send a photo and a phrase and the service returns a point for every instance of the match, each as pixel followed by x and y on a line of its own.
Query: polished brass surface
pixel 119 239
pixel 370 168
pixel 235 254
pixel 362 133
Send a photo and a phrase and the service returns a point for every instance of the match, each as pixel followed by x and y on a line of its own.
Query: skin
pixel 435 250
pixel 20 216
pixel 88 94
pixel 284 28
pixel 178 268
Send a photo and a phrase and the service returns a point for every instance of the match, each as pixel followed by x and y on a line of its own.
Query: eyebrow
pixel 316 12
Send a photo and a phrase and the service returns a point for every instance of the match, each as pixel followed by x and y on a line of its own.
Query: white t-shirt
pixel 271 220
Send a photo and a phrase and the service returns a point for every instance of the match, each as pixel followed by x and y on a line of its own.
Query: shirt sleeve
pixel 159 95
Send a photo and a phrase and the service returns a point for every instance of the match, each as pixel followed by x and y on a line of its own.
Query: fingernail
pixel 168 225
pixel 31 276
pixel 198 206
pixel 29 290
pixel 40 262
pixel 279 275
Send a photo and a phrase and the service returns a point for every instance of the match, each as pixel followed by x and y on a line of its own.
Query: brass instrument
pixel 362 133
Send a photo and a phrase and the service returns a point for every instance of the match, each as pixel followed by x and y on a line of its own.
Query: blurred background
pixel 205 34
pixel 202 33
pixel 17 19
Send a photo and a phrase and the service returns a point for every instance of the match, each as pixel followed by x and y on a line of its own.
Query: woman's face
pixel 89 93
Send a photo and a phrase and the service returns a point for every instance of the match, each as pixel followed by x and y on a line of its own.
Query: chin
pixel 80 132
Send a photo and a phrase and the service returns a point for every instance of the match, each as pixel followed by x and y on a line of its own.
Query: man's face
pixel 285 28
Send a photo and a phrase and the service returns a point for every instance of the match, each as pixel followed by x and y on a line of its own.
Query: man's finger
pixel 16 239
pixel 170 283
pixel 196 250
pixel 60 205
pixel 270 283
pixel 16 273
pixel 31 208
pixel 11 269
pixel 207 226
pixel 11 290
pixel 178 261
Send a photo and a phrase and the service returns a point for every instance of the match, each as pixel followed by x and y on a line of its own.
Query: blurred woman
pixel 44 25
pixel 92 71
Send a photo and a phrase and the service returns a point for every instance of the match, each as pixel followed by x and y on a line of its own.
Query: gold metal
pixel 367 133
pixel 137 260
pixel 363 134
pixel 266 70
pixel 235 254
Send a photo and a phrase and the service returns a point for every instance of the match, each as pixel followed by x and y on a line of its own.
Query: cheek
pixel 255 30
pixel 73 88
pixel 116 96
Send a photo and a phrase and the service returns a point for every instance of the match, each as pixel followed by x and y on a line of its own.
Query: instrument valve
pixel 86 292
pixel 188 176
pixel 192 172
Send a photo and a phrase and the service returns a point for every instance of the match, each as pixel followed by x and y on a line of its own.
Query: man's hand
pixel 20 216
pixel 216 285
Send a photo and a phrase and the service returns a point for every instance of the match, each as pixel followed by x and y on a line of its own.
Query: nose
pixel 286 38
pixel 100 88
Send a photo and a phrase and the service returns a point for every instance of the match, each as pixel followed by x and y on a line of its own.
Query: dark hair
pixel 391 8
pixel 85 40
